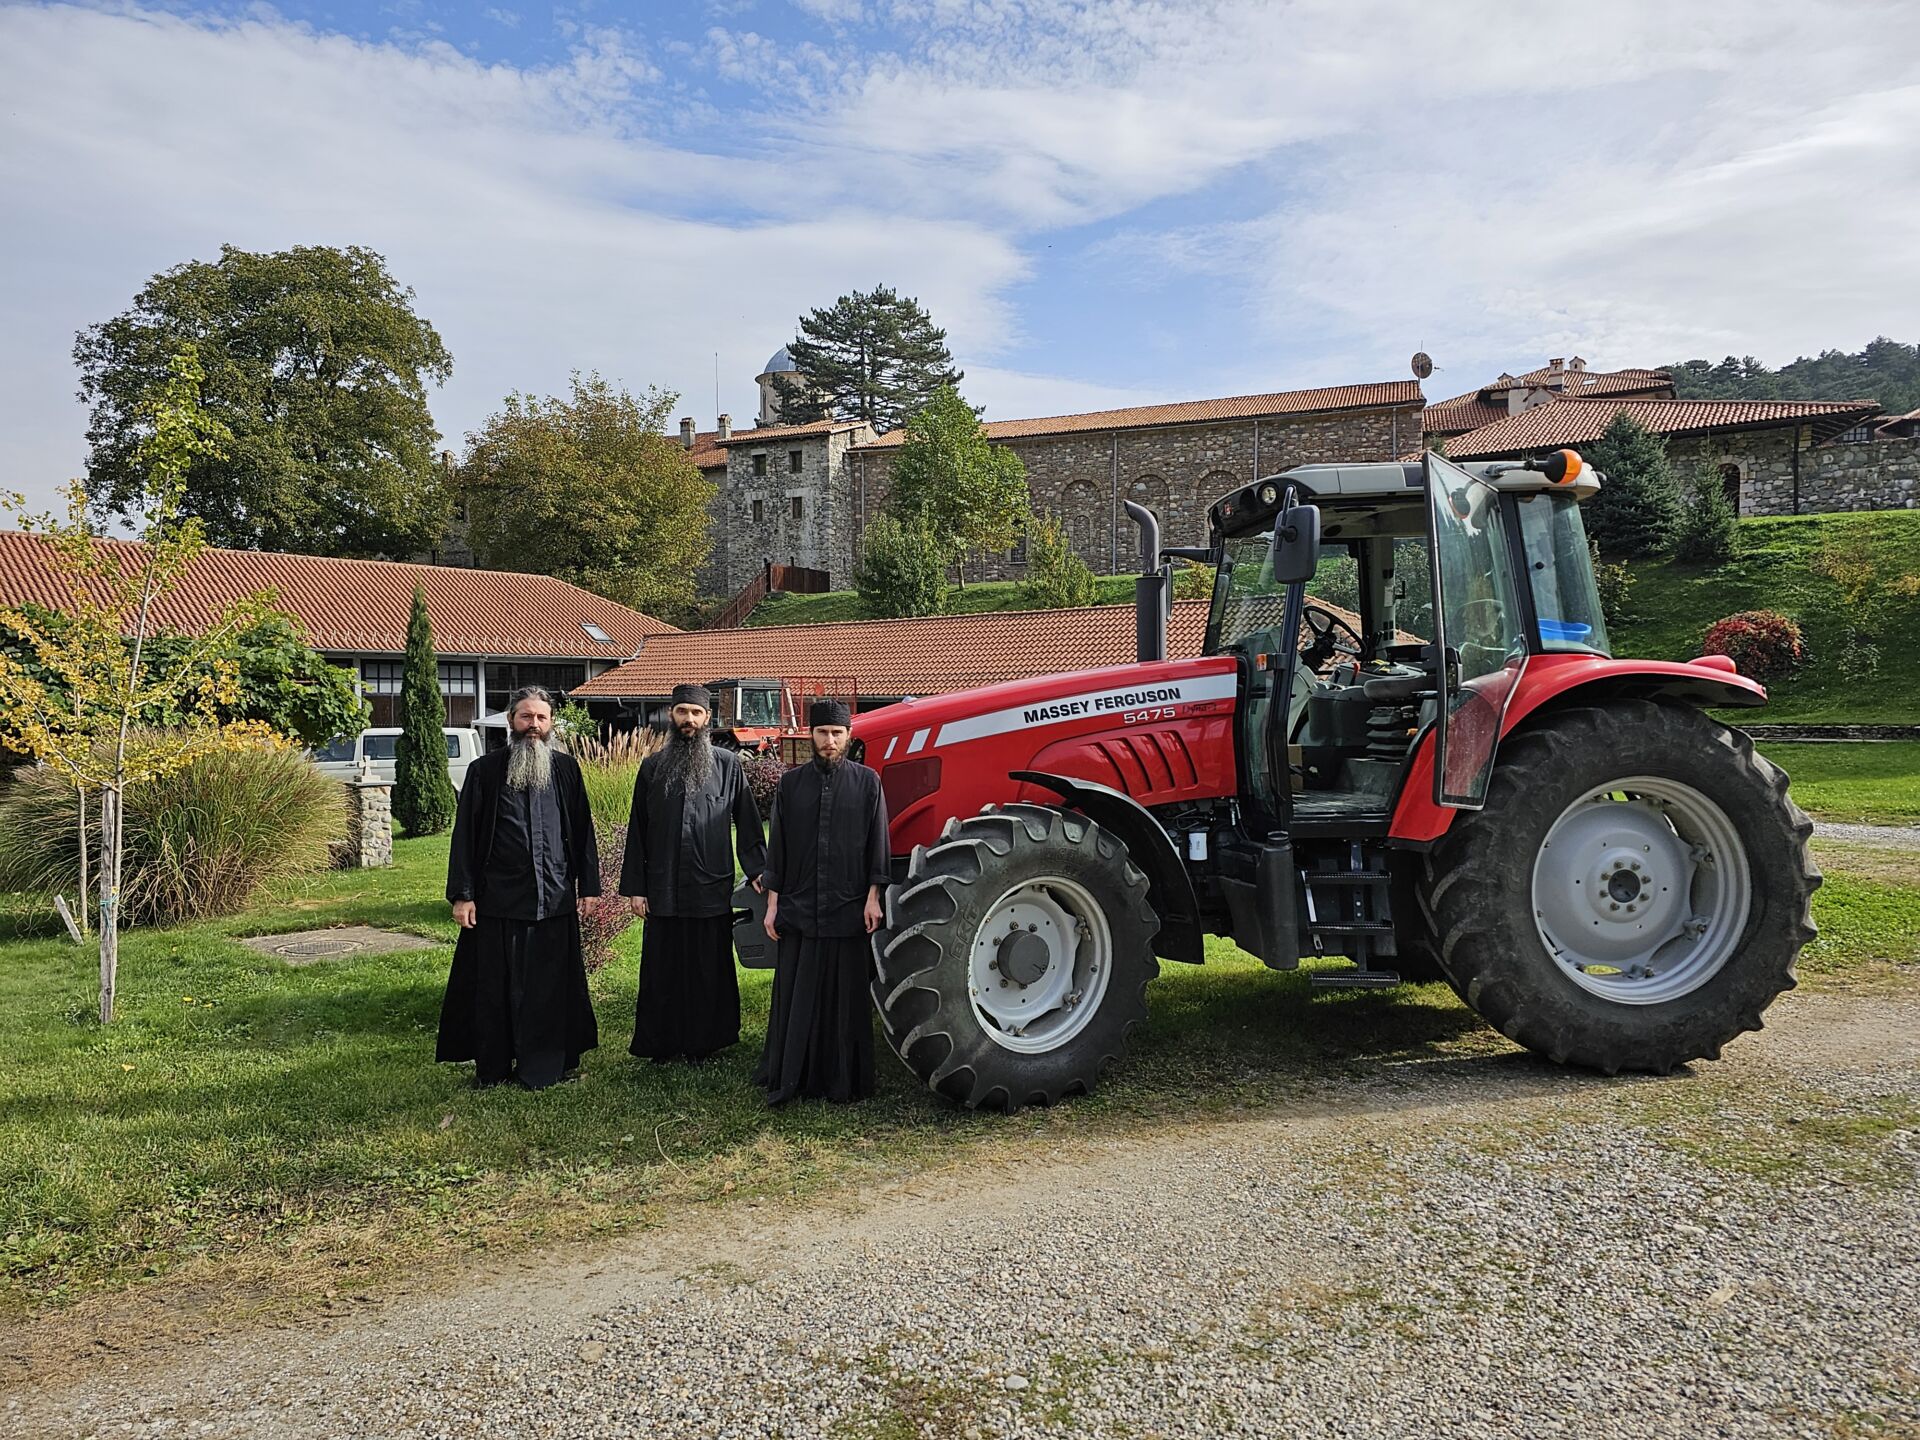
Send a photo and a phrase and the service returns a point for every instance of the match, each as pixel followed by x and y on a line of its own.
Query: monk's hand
pixel 874 914
pixel 773 906
pixel 759 886
pixel 589 904
pixel 464 914
pixel 639 904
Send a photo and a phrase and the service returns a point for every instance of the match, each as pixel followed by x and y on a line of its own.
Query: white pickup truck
pixel 341 758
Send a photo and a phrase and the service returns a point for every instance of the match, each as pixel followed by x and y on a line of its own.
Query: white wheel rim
pixel 1641 890
pixel 1039 965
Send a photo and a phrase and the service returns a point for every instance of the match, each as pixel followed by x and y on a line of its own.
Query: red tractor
pixel 1463 784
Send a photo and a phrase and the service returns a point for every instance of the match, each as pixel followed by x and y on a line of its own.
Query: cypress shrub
pixel 423 797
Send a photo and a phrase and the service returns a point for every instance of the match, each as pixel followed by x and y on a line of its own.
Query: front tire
pixel 1635 893
pixel 1015 958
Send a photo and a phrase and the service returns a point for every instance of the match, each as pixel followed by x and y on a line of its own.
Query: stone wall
pixel 1875 475
pixel 1176 471
pixel 369 842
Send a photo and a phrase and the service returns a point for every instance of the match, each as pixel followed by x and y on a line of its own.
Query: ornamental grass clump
pixel 609 768
pixel 200 840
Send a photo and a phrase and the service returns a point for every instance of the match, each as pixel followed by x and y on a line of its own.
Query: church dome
pixel 780 363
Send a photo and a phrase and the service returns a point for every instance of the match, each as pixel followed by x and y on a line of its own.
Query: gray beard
pixel 529 764
pixel 687 764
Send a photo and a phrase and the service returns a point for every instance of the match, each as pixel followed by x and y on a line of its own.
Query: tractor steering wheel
pixel 1330 635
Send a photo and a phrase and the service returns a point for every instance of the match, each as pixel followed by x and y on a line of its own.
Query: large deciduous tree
pixel 971 493
pixel 587 488
pixel 876 357
pixel 317 366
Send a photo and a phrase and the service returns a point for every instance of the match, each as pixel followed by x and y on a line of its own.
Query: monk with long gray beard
pixel 523 868
pixel 690 803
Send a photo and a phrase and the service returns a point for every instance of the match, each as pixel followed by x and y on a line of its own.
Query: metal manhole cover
pixel 302 947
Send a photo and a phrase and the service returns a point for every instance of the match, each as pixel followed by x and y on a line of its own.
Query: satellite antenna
pixel 1422 365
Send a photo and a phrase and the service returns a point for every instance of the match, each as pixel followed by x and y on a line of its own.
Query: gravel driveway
pixel 1463 1248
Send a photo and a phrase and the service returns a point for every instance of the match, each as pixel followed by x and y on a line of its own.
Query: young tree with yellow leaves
pixel 79 709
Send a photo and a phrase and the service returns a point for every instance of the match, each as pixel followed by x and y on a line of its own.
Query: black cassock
pixel 827 850
pixel 517 1002
pixel 680 851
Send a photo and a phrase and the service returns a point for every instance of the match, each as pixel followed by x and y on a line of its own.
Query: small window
pixel 382 677
pixel 794 461
pixel 594 632
pixel 381 747
pixel 798 506
pixel 760 463
pixel 759 512
pixel 453 745
pixel 457 678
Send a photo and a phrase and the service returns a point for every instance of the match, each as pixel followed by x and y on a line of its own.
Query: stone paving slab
pixel 303 947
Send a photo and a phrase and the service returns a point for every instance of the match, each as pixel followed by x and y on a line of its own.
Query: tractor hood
pixel 1156 730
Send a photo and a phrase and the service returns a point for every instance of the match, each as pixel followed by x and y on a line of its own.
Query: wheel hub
pixel 1023 956
pixel 1640 890
pixel 1040 963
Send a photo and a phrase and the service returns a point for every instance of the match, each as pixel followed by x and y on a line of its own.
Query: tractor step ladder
pixel 1355 979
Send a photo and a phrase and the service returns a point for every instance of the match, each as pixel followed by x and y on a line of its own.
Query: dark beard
pixel 834 764
pixel 687 762
pixel 530 764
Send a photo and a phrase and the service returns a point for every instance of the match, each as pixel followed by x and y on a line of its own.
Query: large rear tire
pixel 1015 958
pixel 1635 892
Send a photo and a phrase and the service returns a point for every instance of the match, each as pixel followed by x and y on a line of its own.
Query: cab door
pixel 1479 622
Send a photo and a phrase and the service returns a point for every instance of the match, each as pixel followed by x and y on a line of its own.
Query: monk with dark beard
pixel 522 869
pixel 826 866
pixel 690 803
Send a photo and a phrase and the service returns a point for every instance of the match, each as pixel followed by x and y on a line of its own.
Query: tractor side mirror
pixel 1296 544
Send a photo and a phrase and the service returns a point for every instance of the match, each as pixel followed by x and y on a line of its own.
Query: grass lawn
pixel 1673 604
pixel 1871 784
pixel 252 1128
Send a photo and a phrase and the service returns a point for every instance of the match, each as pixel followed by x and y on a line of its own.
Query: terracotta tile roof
pixel 767 434
pixel 363 605
pixel 892 658
pixel 1237 407
pixel 707 451
pixel 1578 422
pixel 1463 413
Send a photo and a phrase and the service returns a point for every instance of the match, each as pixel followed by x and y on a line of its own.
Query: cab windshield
pixel 1249 605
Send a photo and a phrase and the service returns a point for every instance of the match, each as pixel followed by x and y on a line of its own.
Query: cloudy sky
pixel 1103 202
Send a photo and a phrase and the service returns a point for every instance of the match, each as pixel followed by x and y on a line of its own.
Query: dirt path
pixel 1460 1247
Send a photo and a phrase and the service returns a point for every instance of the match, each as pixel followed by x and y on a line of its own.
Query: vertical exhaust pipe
pixel 1153 591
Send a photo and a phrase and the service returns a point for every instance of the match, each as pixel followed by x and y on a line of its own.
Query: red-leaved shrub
pixel 763 773
pixel 1764 644
pixel 599 930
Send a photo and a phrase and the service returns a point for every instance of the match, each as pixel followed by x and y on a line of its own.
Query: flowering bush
pixel 763 778
pixel 599 930
pixel 1764 644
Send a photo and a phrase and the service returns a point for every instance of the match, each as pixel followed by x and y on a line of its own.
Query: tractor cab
pixel 1368 602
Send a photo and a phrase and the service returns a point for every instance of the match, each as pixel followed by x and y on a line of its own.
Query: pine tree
pixel 1707 532
pixel 1638 506
pixel 1057 578
pixel 876 357
pixel 423 796
pixel 902 569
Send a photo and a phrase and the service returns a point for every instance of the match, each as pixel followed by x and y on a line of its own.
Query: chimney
pixel 686 432
pixel 726 427
pixel 1556 365
pixel 1576 363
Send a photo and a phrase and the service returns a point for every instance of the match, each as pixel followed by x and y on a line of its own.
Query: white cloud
pixel 542 225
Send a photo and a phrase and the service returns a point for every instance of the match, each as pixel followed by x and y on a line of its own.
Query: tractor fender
pixel 1557 679
pixel 1150 847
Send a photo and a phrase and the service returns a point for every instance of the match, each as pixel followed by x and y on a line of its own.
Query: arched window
pixel 1082 510
pixel 1730 483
